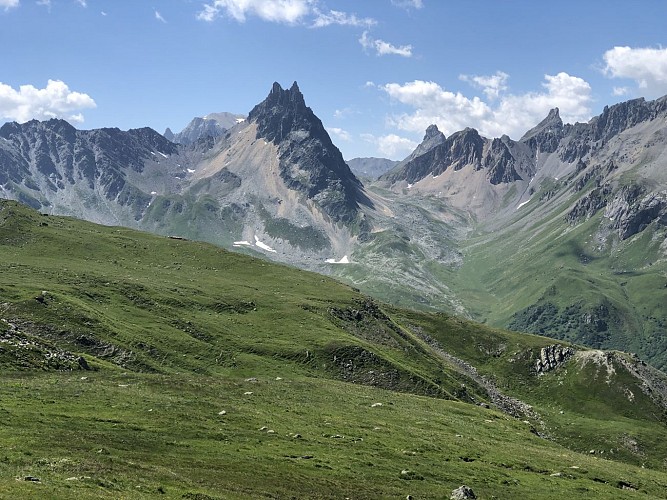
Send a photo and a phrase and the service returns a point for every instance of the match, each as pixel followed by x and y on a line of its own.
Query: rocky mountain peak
pixel 432 138
pixel 279 101
pixel 309 161
pixel 431 132
pixel 546 135
pixel 550 124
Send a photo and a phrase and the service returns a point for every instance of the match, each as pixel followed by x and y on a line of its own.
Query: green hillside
pixel 577 283
pixel 137 366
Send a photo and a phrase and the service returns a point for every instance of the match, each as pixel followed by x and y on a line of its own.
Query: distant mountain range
pixel 212 125
pixel 370 168
pixel 562 232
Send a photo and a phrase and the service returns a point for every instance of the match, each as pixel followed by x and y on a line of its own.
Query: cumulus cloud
pixel 159 17
pixel 508 114
pixel 341 18
pixel 292 12
pixel 8 4
pixel 344 112
pixel 56 100
pixel 82 3
pixel 391 145
pixel 383 48
pixel 646 66
pixel 492 85
pixel 277 11
pixel 408 4
pixel 339 133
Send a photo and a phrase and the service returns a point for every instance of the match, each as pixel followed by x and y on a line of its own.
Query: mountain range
pixel 561 232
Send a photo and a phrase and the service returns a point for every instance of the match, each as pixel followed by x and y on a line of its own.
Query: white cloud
pixel 492 85
pixel 383 48
pixel 82 3
pixel 407 4
pixel 277 11
pixel 391 146
pixel 345 112
pixel 339 133
pixel 509 114
pixel 292 12
pixel 341 18
pixel 620 91
pixel 646 66
pixel 44 3
pixel 54 101
pixel 159 17
pixel 8 4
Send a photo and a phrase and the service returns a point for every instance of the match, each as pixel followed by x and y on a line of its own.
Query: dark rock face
pixel 460 149
pixel 588 205
pixel 308 160
pixel 499 164
pixel 546 136
pixel 56 155
pixel 632 210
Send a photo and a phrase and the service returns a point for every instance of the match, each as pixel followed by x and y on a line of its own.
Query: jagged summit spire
pixel 291 98
pixel 431 131
pixel 552 124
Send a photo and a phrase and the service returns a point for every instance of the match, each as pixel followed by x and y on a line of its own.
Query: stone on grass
pixel 463 493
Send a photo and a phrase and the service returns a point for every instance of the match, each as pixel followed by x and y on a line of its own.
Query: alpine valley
pixel 136 365
pixel 561 233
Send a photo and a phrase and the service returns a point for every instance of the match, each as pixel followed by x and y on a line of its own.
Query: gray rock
pixel 463 493
pixel 552 357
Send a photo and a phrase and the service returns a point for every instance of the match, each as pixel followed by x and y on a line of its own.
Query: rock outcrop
pixel 552 357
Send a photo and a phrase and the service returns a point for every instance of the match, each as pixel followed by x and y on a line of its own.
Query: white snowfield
pixel 344 260
pixel 522 204
pixel 244 243
pixel 263 246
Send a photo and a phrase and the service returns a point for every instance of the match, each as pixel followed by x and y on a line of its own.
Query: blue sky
pixel 376 72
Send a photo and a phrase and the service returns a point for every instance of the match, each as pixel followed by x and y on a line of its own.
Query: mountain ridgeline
pixel 562 232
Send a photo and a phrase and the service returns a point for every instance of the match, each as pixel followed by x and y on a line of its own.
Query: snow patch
pixel 166 156
pixel 242 244
pixel 153 193
pixel 263 246
pixel 191 171
pixel 240 120
pixel 344 260
pixel 522 204
pixel 409 185
pixel 153 154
